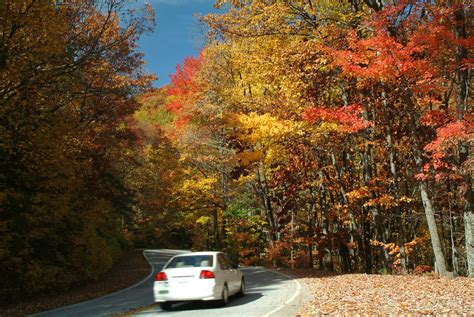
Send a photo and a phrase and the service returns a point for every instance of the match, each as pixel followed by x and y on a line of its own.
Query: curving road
pixel 268 293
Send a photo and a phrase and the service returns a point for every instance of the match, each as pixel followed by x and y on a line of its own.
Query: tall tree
pixel 68 74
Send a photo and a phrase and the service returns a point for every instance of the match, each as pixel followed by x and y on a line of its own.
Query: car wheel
pixel 225 296
pixel 166 306
pixel 242 288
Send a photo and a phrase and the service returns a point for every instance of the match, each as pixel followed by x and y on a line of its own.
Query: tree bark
pixel 427 204
pixel 266 203
pixel 469 234
pixel 433 229
pixel 311 211
pixel 217 240
pixel 395 189
pixel 462 77
pixel 454 258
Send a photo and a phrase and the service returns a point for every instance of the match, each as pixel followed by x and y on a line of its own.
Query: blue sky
pixel 177 34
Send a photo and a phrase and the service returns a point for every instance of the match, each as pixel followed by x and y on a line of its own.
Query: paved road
pixel 268 294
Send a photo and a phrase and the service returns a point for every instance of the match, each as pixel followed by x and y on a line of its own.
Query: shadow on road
pixel 259 280
pixel 201 305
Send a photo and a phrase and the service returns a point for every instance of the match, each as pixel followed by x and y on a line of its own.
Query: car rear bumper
pixel 164 293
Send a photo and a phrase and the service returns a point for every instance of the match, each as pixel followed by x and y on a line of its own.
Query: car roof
pixel 200 253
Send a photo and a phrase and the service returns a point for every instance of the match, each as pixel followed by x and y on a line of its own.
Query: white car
pixel 197 276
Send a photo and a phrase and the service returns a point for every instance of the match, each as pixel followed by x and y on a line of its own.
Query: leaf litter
pixel 393 295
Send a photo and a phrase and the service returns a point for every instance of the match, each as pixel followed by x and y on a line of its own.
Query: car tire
pixel 166 306
pixel 225 296
pixel 241 291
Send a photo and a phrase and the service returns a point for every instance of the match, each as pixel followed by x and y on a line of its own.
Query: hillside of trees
pixel 336 135
pixel 69 71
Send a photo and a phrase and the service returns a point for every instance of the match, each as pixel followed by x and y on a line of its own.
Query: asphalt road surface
pixel 268 293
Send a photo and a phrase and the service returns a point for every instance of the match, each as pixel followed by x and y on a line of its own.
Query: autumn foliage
pixel 346 128
pixel 68 74
pixel 330 135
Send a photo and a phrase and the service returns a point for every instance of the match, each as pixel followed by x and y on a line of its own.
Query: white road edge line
pixel 108 295
pixel 298 288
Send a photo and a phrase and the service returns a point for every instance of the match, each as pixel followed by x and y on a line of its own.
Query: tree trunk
pixel 454 257
pixel 428 206
pixel 352 223
pixel 395 189
pixel 312 204
pixel 433 229
pixel 322 219
pixel 366 159
pixel 463 81
pixel 469 234
pixel 217 240
pixel 266 203
pixel 208 235
pixel 366 236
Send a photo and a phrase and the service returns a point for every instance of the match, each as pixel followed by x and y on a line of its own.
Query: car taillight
pixel 206 274
pixel 161 277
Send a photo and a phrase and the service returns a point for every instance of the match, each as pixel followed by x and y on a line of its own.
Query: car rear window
pixel 191 261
